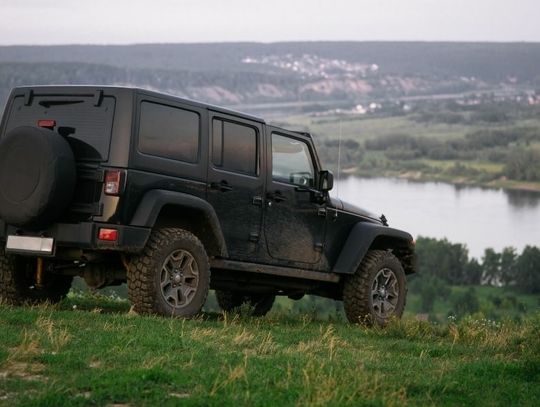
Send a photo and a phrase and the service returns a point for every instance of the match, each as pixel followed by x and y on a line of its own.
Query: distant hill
pixel 244 73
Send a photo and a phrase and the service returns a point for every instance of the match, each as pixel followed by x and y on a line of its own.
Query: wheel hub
pixel 179 278
pixel 384 293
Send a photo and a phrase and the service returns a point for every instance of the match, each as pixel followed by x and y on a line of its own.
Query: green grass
pixel 497 303
pixel 94 352
pixel 488 167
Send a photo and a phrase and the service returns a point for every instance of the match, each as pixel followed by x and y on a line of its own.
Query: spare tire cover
pixel 37 177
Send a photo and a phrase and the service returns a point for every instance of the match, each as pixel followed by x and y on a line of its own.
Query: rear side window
pixel 234 147
pixel 169 132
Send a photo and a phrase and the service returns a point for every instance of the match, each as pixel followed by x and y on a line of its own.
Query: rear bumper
pixel 85 236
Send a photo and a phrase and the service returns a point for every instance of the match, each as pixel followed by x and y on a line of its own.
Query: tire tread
pixel 140 277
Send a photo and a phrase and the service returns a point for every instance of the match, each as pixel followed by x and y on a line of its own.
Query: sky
pixel 173 21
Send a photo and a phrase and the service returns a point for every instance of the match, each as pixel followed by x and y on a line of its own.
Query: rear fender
pixel 150 208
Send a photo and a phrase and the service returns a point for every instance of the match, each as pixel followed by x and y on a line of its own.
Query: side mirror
pixel 326 181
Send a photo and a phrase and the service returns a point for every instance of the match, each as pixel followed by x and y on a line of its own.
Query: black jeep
pixel 176 197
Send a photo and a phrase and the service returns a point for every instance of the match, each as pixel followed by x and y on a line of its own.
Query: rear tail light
pixel 46 123
pixel 110 235
pixel 114 182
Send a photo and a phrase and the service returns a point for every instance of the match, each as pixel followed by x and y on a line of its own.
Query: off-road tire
pixel 357 289
pixel 18 285
pixel 231 301
pixel 144 271
pixel 37 177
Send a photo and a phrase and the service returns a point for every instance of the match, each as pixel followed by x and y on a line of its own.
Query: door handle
pixel 222 186
pixel 257 201
pixel 277 196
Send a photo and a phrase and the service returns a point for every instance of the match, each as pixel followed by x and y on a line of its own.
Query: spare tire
pixel 37 177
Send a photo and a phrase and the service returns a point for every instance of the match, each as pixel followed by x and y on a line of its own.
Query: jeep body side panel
pixel 274 270
pixel 362 237
pixel 338 228
pixel 294 222
pixel 235 182
pixel 154 201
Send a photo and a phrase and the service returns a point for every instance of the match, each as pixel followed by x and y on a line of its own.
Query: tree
pixel 508 266
pixel 473 272
pixel 491 263
pixel 528 270
pixel 442 259
pixel 523 165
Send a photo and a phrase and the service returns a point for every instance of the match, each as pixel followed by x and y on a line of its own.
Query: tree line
pixel 511 147
pixel 442 265
pixel 450 263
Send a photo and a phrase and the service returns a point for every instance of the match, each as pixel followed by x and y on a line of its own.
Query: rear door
pixel 294 218
pixel 84 116
pixel 234 183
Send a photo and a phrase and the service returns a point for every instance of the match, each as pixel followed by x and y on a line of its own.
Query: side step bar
pixel 274 270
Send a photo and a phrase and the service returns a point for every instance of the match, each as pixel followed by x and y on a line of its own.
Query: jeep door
pixel 235 184
pixel 294 221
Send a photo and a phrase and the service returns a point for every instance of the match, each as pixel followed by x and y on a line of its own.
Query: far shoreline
pixel 417 176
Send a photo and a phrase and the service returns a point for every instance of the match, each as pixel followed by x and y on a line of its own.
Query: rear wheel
pixel 376 293
pixel 232 300
pixel 18 283
pixel 172 275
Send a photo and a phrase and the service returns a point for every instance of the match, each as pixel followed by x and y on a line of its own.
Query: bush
pixel 461 170
pixel 429 289
pixel 465 302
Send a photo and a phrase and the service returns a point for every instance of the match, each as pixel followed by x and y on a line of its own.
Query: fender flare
pixel 361 238
pixel 153 201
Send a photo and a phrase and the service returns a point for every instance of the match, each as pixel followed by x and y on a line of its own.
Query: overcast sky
pixel 137 21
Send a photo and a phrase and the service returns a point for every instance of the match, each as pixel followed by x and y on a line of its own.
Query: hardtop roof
pixel 94 88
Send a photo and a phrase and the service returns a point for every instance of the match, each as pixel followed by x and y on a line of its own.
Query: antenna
pixel 339 157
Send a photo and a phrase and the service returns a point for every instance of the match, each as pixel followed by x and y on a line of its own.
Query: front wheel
pixel 377 292
pixel 171 276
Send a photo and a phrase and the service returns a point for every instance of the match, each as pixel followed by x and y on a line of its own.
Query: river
pixel 478 217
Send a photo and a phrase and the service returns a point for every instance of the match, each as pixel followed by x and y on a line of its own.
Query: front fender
pixel 365 236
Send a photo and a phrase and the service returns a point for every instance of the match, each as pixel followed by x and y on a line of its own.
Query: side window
pixel 291 161
pixel 169 132
pixel 234 147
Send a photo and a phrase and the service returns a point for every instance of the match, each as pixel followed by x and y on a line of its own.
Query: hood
pixel 348 207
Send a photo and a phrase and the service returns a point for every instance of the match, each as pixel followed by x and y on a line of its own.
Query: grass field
pixel 86 351
pixel 361 128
